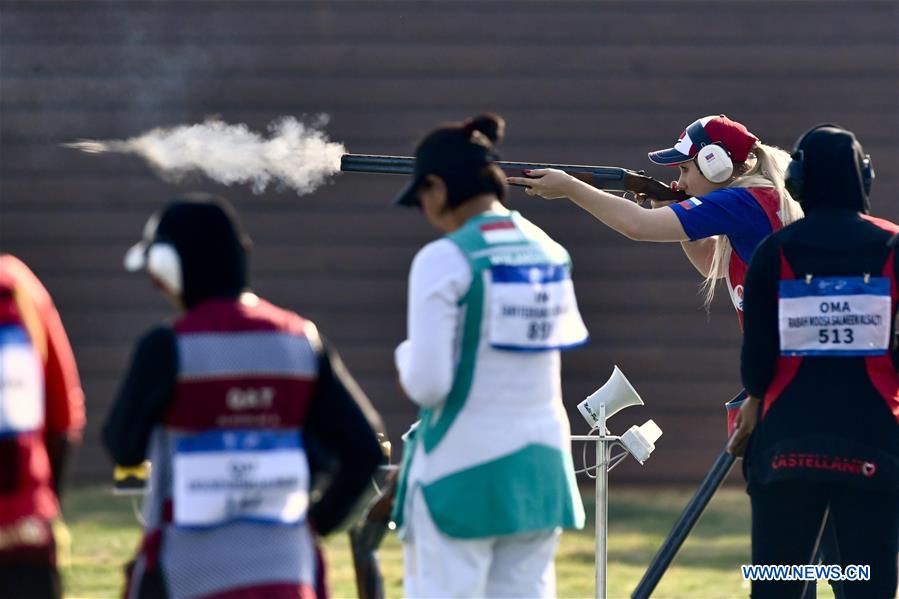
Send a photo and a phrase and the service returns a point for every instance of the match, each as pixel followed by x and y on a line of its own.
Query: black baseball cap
pixel 444 151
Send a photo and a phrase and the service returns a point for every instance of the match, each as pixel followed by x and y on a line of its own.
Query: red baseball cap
pixel 734 136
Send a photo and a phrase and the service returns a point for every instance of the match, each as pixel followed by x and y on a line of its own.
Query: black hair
pixel 468 151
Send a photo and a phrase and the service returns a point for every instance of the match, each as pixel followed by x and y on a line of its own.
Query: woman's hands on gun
pixel 548 183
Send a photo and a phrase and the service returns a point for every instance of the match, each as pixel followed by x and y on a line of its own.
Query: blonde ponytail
pixel 765 167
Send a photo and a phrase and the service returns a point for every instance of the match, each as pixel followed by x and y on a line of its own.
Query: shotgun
pixel 601 177
pixel 689 517
pixel 366 535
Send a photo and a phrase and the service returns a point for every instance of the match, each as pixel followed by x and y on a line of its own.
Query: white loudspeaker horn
pixel 616 394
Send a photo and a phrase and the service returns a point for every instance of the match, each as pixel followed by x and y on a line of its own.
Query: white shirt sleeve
pixel 439 277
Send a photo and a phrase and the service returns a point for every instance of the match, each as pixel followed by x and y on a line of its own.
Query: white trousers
pixel 437 566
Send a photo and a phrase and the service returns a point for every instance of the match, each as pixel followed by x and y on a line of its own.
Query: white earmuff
pixel 714 163
pixel 164 263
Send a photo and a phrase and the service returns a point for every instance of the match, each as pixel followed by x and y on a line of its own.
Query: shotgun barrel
pixel 602 177
pixel 684 525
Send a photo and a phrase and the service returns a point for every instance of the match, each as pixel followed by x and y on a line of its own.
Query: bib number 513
pixel 835 336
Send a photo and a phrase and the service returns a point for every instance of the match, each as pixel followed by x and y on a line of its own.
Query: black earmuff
pixel 794 177
pixel 867 174
pixel 713 159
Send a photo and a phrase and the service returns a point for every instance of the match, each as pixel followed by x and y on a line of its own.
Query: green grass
pixel 105 534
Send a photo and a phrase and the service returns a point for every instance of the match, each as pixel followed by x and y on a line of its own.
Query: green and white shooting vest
pixel 495 457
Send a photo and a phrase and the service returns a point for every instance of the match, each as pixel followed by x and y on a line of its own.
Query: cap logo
pixel 684 145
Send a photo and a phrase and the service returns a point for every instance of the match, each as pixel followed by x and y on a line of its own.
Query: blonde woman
pixel 737 198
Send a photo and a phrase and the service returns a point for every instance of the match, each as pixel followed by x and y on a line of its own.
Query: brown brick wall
pixel 588 82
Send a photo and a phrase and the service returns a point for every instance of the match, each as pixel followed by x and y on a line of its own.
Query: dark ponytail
pixel 492 126
pixel 477 178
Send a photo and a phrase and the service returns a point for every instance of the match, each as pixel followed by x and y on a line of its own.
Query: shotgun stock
pixel 601 177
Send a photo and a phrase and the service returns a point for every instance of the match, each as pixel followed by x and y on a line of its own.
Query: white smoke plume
pixel 297 155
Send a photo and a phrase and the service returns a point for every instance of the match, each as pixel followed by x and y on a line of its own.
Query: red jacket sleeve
pixel 65 398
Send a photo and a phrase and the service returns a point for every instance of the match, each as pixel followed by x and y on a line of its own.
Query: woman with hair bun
pixel 486 482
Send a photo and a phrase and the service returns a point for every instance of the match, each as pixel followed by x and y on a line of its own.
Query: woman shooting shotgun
pixel 736 193
pixel 737 198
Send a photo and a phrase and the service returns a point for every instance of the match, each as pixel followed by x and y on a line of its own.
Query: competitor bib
pixel 21 383
pixel 248 475
pixel 835 316
pixel 533 308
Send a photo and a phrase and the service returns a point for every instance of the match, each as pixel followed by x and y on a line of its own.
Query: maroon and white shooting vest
pixel 230 480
